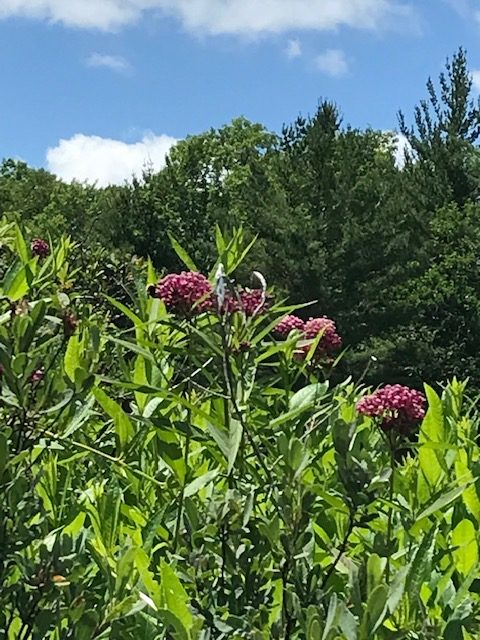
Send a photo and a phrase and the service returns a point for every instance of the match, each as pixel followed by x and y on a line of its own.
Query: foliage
pixel 188 477
pixel 387 248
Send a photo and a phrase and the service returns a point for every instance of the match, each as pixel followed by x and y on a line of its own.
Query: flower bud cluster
pixel 40 248
pixel 190 293
pixel 328 343
pixel 399 408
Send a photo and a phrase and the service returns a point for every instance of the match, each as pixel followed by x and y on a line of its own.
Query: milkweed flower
pixel 398 407
pixel 40 248
pixel 329 341
pixel 37 376
pixel 253 301
pixel 227 304
pixel 185 294
pixel 288 324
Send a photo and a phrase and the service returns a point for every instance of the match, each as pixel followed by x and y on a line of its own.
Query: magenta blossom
pixel 40 248
pixel 329 341
pixel 288 324
pixel 185 294
pixel 37 376
pixel 229 304
pixel 399 408
pixel 253 302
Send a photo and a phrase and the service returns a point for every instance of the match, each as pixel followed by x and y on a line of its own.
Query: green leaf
pixel 219 240
pixel 174 597
pixel 21 245
pixel 397 589
pixel 85 627
pixel 346 621
pixel 277 602
pixel 331 615
pixel 173 623
pixel 132 346
pixel 375 569
pixel 240 257
pixel 126 607
pixel 470 495
pixel 221 438
pixel 194 487
pixel 307 397
pixel 19 285
pixel 72 358
pixel 142 562
pixel 375 612
pixel 464 537
pixel 74 528
pixel 234 441
pixel 3 453
pixel 124 570
pixel 81 416
pixel 432 431
pixel 182 254
pixel 421 565
pixel 151 273
pixel 140 378
pixel 444 500
pixel 123 427
pixel 126 311
pixel 433 426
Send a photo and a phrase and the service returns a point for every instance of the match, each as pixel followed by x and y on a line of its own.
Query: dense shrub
pixel 187 475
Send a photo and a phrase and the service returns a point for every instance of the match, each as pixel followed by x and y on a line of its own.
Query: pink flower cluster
pixel 400 408
pixel 329 342
pixel 40 248
pixel 250 301
pixel 253 302
pixel 288 324
pixel 190 293
pixel 186 293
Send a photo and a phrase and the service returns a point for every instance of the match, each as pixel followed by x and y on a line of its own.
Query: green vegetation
pixel 197 455
pixel 390 252
pixel 189 469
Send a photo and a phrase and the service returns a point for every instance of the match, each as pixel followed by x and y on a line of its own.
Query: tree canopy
pixel 388 249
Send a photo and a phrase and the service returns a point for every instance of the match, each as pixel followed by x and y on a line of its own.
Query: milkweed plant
pixel 201 469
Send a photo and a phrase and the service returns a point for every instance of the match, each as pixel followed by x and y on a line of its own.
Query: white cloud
pixel 106 161
pixel 294 49
pixel 213 17
pixel 476 79
pixel 396 143
pixel 333 62
pixel 115 63
pixel 401 146
pixel 100 14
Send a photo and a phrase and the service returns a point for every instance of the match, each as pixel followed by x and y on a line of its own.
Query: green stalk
pixel 341 551
pixel 391 440
pixel 186 456
pixel 184 484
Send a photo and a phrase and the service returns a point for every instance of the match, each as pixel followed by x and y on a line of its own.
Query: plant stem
pixel 105 456
pixel 390 509
pixel 341 551
pixel 186 456
pixel 184 484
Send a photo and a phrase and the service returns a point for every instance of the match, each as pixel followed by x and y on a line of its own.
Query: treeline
pixel 390 251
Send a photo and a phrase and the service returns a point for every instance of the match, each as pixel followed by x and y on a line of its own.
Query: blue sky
pixel 92 88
